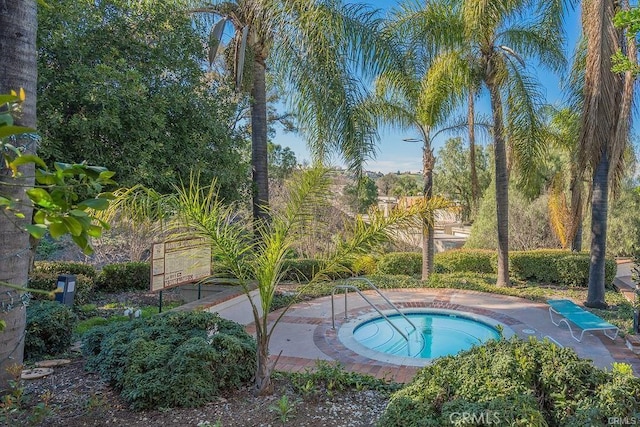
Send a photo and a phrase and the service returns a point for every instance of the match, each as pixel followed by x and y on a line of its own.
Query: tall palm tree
pixel 314 47
pixel 499 37
pixel 18 25
pixel 404 99
pixel 605 126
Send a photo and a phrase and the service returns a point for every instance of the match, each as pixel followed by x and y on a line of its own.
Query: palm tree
pixel 403 100
pixel 605 123
pixel 18 24
pixel 198 211
pixel 314 48
pixel 499 37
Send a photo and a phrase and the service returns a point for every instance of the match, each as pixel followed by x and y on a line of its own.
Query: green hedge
pixel 47 281
pixel 302 269
pixel 177 359
pixel 61 267
pixel 407 263
pixel 466 260
pixel 515 383
pixel 126 276
pixel 556 266
pixel 49 329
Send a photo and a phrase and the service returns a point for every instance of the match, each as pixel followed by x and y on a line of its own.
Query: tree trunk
pixel 575 232
pixel 428 162
pixel 599 207
pixel 472 155
pixel 502 184
pixel 260 175
pixel 18 69
pixel 262 380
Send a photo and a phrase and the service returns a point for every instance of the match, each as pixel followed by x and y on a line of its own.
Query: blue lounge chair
pixel 587 321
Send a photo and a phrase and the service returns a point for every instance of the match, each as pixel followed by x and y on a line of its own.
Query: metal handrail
pixel 375 288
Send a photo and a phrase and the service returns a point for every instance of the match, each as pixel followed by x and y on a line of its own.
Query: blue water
pixel 436 335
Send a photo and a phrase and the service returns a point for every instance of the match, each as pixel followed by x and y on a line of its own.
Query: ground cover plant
pixel 516 382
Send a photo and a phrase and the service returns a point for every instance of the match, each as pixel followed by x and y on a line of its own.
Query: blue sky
pixel 393 154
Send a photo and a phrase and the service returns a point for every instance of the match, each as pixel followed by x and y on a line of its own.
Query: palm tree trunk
pixel 599 208
pixel 472 154
pixel 259 161
pixel 262 380
pixel 502 184
pixel 18 25
pixel 575 232
pixel 428 162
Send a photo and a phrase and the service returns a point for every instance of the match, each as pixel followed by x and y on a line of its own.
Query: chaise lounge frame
pixel 585 320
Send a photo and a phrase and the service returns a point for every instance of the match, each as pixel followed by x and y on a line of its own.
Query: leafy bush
pixel 49 328
pixel 556 266
pixel 516 383
pixel 61 267
pixel 528 223
pixel 126 276
pixel 365 265
pixel 47 281
pixel 408 263
pixel 478 261
pixel 179 359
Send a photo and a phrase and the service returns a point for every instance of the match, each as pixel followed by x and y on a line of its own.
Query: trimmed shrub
pixel 556 266
pixel 177 359
pixel 126 276
pixel 49 329
pixel 407 263
pixel 302 269
pixel 466 260
pixel 47 281
pixel 61 267
pixel 515 383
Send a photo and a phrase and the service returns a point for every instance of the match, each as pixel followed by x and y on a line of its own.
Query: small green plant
pixel 11 402
pixel 330 378
pixel 283 408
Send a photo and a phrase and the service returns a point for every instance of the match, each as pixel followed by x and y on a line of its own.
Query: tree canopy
pixel 121 84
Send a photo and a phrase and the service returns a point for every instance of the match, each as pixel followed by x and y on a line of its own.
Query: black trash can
pixel 66 289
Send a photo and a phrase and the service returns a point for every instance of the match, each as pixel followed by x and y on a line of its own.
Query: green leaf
pixel 37 230
pixel 106 175
pixel 83 243
pixel 41 197
pixel 28 158
pixel 94 231
pixel 39 217
pixel 57 229
pixel 98 204
pixel 9 130
pixel 6 119
pixel 5 99
pixel 73 225
pixel 78 213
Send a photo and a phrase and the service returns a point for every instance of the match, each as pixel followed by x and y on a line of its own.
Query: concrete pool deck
pixel 305 334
